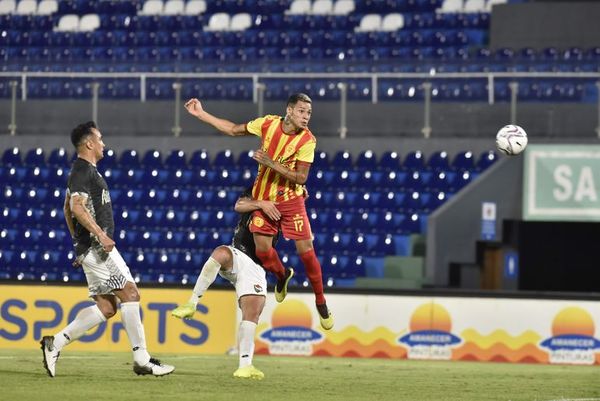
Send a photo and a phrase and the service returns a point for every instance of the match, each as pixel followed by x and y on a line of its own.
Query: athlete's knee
pixel 107 309
pixel 222 254
pixel 130 293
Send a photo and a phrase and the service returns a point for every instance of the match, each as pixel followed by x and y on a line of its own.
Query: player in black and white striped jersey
pixel 89 216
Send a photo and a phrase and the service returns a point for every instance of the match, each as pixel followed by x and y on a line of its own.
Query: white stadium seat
pixel 299 7
pixel 322 7
pixel 240 22
pixel 152 7
pixel 369 23
pixel 47 7
pixel 474 6
pixel 343 7
pixel 27 7
pixel 174 7
pixel 89 22
pixel 195 7
pixel 392 22
pixel 218 22
pixel 68 22
pixel 7 6
pixel 451 6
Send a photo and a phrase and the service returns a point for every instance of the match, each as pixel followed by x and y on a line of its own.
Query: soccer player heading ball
pixel 286 153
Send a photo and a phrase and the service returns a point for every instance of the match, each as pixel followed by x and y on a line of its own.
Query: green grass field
pixel 103 376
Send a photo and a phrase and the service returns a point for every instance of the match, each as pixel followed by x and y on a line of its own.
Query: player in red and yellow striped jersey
pixel 286 153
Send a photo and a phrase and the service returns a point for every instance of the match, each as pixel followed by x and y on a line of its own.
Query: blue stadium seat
pixel 129 159
pixel 60 158
pixel 367 160
pixel 342 160
pixel 486 159
pixel 369 180
pixel 12 157
pixel 439 161
pixel 384 246
pixel 35 157
pixel 200 159
pixel 152 159
pixel 464 161
pixel 414 161
pixel 176 160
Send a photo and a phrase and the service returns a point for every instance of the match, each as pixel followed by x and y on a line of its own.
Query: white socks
pixel 246 342
pixel 130 315
pixel 205 279
pixel 85 320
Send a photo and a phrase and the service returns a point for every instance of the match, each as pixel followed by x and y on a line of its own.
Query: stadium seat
pixel 199 159
pixel 176 160
pixel 152 159
pixel 439 161
pixel 414 161
pixel 129 159
pixel 342 160
pixel 366 160
pixel 390 161
pixel 463 161
pixel 224 159
pixel 12 157
pixel 486 159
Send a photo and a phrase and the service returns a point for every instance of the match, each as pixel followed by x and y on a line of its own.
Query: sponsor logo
pixel 257 288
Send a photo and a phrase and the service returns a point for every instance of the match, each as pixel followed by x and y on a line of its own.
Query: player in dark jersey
pixel 240 266
pixel 89 217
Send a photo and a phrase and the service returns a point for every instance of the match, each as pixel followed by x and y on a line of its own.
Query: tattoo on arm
pixel 84 217
pixel 68 216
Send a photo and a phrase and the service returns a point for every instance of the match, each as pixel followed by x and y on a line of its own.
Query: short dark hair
pixel 81 132
pixel 298 97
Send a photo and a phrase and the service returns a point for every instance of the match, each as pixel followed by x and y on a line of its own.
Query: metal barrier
pixel 260 85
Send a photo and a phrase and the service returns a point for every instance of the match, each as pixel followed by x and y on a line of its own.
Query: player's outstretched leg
pixel 185 311
pixel 51 354
pixel 207 276
pixel 282 284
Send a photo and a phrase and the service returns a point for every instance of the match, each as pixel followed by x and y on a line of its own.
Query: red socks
pixel 271 262
pixel 313 272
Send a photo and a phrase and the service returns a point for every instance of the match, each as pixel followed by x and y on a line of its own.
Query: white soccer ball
pixel 511 140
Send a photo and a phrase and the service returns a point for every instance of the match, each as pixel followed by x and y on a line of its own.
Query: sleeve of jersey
pixel 255 126
pixel 307 152
pixel 79 184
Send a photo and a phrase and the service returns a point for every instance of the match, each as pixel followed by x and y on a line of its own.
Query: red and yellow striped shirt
pixel 286 149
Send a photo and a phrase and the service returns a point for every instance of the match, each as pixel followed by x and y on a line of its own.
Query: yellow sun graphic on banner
pixel 430 316
pixel 573 320
pixel 291 313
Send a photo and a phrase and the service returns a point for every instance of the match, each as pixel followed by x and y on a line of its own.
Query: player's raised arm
pixel 245 204
pixel 194 107
pixel 84 218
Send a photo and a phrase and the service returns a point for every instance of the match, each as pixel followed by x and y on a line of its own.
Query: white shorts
pixel 105 276
pixel 247 277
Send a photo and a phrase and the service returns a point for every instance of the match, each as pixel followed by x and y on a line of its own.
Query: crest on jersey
pixel 257 288
pixel 258 221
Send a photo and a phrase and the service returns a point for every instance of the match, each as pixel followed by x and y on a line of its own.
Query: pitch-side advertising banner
pixel 562 183
pixel 29 312
pixel 477 329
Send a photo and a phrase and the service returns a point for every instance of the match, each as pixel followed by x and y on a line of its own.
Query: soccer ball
pixel 511 140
